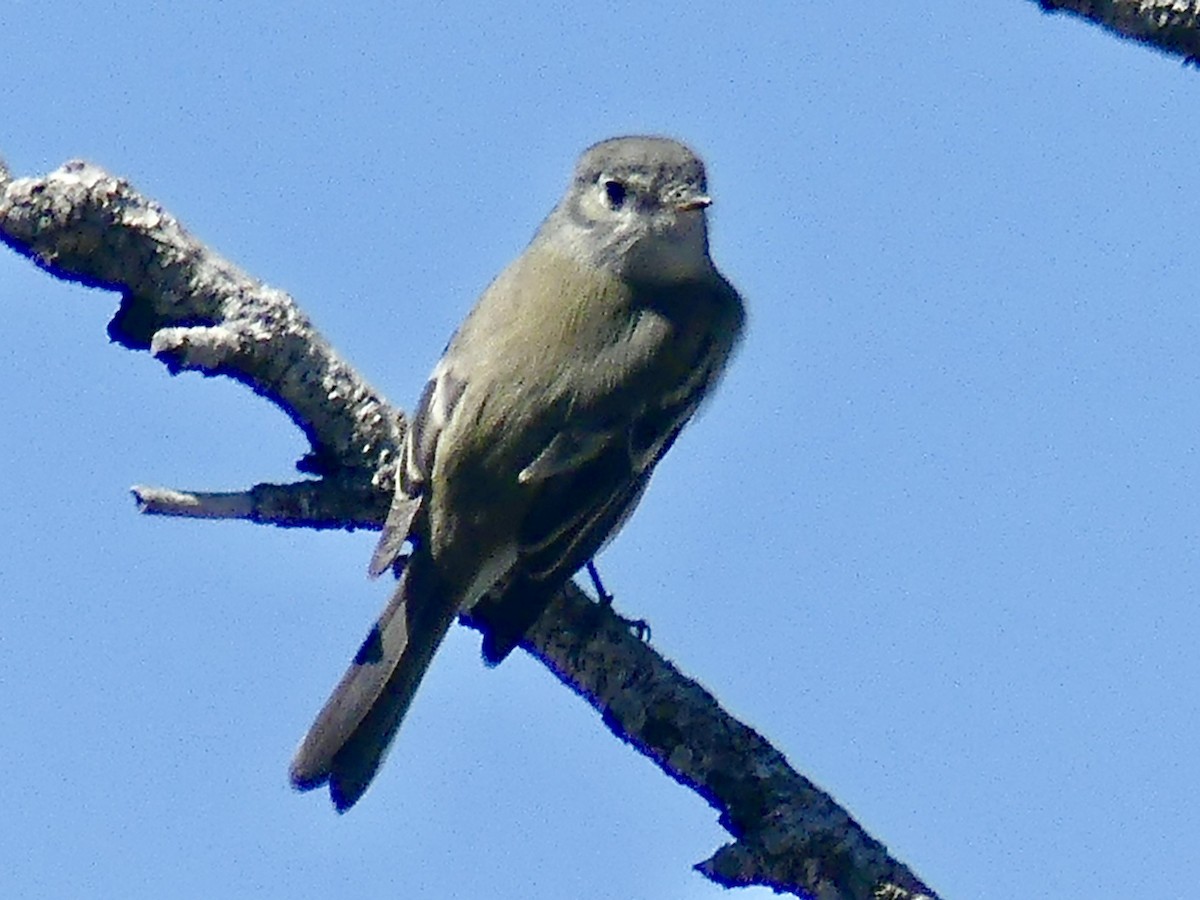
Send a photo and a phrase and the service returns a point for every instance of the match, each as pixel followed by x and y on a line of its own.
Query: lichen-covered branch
pixel 194 310
pixel 326 503
pixel 789 834
pixel 1172 26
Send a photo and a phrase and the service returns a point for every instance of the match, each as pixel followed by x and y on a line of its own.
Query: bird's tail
pixel 351 734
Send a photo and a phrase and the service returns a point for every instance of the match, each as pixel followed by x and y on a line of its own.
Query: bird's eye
pixel 615 191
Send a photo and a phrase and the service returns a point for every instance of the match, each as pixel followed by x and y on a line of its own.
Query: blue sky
pixel 938 538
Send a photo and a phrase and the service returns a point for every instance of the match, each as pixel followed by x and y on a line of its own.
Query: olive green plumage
pixel 538 430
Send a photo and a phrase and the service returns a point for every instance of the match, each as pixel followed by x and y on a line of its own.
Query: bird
pixel 537 431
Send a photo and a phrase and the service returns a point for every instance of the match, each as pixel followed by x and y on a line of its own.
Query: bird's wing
pixel 588 481
pixel 567 451
pixel 437 404
pixel 577 511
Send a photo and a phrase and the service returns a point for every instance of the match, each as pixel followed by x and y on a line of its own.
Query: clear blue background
pixel 938 538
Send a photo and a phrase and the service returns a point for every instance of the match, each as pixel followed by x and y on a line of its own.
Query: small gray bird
pixel 538 430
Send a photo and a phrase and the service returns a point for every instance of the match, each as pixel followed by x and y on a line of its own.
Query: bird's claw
pixel 603 597
pixel 639 627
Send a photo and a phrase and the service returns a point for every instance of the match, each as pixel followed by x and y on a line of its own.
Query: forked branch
pixel 194 310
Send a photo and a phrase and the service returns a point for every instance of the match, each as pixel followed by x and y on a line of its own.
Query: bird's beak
pixel 696 201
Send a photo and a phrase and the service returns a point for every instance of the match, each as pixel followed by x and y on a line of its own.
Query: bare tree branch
pixel 328 503
pixel 789 834
pixel 1172 26
pixel 194 310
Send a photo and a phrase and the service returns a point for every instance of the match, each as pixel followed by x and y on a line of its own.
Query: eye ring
pixel 615 192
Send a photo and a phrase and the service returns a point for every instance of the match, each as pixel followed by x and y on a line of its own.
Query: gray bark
pixel 1172 26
